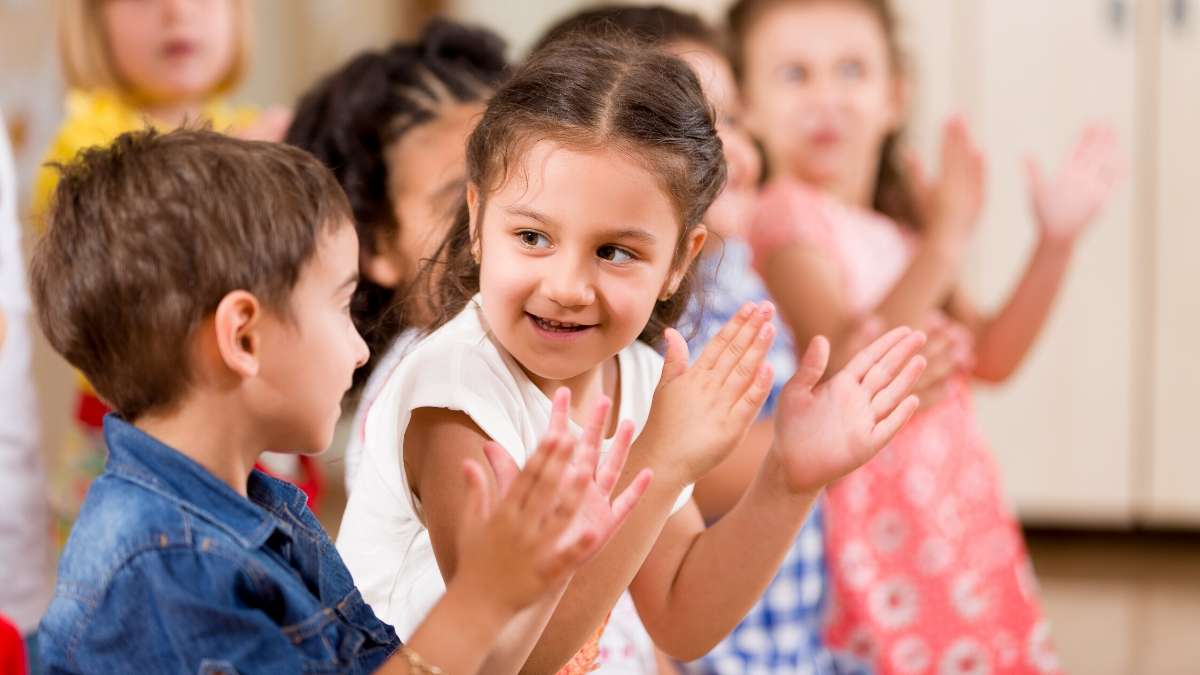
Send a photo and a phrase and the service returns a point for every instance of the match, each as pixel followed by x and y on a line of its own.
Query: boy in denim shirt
pixel 202 284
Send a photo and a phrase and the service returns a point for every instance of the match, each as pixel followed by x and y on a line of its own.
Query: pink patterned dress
pixel 929 572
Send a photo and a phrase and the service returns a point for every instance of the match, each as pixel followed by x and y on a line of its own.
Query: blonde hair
pixel 87 62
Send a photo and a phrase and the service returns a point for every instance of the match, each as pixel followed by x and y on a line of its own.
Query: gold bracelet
pixel 418 665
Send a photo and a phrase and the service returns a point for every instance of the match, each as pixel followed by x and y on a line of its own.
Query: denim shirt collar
pixel 140 458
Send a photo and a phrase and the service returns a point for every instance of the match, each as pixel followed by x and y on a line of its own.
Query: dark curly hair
pixel 590 93
pixel 350 118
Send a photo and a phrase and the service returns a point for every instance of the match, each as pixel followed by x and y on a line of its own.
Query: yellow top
pixel 96 118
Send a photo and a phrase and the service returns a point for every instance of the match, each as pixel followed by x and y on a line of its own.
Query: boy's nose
pixel 362 351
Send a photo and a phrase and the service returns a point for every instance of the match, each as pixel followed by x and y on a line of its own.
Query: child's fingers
pixel 593 436
pixel 560 409
pixel 813 363
pixel 741 343
pixel 625 502
pixel 618 452
pixel 862 361
pixel 743 372
pixel 479 500
pixel 675 361
pixel 895 392
pixel 717 345
pixel 529 476
pixel 570 500
pixel 503 466
pixel 542 497
pixel 750 403
pixel 883 432
pixel 886 369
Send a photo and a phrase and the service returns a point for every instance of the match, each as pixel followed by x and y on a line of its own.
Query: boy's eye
pixel 533 239
pixel 614 254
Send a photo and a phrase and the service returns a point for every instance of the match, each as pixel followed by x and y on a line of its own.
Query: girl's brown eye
pixel 614 254
pixel 533 239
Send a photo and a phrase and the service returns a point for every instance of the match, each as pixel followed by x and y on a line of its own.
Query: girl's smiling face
pixel 575 249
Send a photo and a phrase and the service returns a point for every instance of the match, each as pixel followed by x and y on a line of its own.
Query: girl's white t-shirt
pixel 358 426
pixel 460 367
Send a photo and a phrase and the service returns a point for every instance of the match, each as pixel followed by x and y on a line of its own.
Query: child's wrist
pixel 777 481
pixel 1055 244
pixel 480 613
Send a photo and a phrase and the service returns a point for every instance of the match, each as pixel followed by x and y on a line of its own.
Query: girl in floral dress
pixel 930 573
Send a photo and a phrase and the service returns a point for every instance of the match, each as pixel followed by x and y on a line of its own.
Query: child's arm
pixel 442 431
pixel 697 584
pixel 1064 207
pixel 807 284
pixel 516 554
pixel 704 416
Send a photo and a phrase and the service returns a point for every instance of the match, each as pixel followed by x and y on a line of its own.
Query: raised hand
pixel 702 412
pixel 949 350
pixel 951 203
pixel 553 515
pixel 824 432
pixel 1066 203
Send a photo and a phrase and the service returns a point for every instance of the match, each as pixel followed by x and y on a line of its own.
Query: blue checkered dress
pixel 782 633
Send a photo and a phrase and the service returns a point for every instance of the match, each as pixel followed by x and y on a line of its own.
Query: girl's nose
pixel 568 283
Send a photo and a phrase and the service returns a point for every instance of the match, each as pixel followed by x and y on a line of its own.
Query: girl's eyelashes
pixel 533 239
pixel 615 254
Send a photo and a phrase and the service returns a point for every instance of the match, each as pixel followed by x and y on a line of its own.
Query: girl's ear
pixel 692 247
pixel 237 323
pixel 385 266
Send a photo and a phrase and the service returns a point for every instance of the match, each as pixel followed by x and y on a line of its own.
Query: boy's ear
pixel 237 322
pixel 692 247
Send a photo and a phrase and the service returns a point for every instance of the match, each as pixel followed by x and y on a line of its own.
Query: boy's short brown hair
pixel 148 235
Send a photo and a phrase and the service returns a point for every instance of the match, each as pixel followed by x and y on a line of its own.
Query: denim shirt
pixel 169 570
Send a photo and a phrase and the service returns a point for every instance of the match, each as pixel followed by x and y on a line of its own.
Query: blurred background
pixel 1097 436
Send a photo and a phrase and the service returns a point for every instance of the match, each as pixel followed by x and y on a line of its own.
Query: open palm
pixel 599 515
pixel 1067 202
pixel 824 432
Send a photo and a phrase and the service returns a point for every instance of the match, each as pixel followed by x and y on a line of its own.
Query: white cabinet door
pixel 1174 476
pixel 1063 428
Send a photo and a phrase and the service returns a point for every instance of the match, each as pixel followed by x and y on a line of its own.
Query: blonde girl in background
pixel 129 63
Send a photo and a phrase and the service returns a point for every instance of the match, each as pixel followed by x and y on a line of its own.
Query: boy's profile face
pixel 307 360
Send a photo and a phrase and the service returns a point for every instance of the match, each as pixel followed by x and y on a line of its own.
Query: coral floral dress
pixel 929 572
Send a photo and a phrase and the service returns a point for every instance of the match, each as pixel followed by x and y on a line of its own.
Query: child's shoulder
pixel 121 520
pixel 459 352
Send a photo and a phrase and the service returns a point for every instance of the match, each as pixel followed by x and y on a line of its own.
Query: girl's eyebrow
pixel 636 234
pixel 626 233
pixel 530 213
